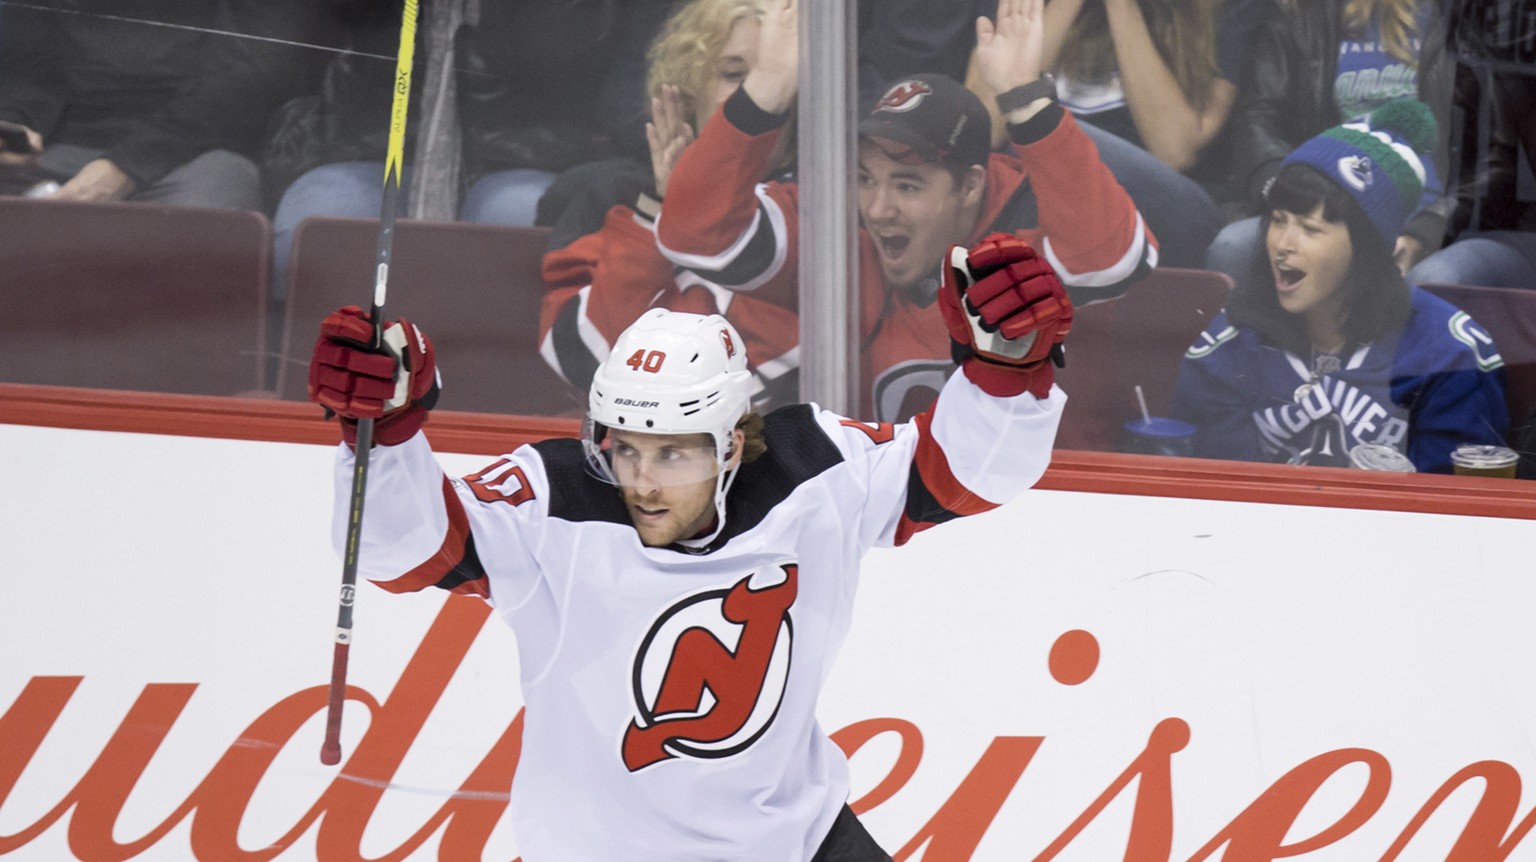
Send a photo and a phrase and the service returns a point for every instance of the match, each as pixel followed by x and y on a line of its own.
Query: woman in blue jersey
pixel 1323 346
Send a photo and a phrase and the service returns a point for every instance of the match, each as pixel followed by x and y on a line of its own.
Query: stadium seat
pixel 133 296
pixel 1136 339
pixel 475 289
pixel 1509 315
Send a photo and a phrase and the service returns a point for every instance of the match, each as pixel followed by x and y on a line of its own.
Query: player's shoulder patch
pixel 1209 341
pixel 574 493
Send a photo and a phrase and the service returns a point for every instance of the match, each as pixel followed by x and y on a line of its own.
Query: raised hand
pixel 667 133
pixel 1010 50
pixel 1015 293
pixel 1006 309
pixel 395 383
pixel 775 77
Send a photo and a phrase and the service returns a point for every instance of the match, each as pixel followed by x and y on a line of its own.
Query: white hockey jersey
pixel 671 694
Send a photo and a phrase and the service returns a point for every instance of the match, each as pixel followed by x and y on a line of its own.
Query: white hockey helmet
pixel 670 372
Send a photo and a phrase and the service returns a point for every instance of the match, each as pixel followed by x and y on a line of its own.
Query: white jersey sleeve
pixel 968 453
pixel 422 529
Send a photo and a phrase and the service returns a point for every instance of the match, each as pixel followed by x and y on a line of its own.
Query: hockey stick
pixel 330 750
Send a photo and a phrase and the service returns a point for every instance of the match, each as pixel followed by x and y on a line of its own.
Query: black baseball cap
pixel 934 118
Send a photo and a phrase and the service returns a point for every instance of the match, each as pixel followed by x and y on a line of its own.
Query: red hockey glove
pixel 1007 312
pixel 396 384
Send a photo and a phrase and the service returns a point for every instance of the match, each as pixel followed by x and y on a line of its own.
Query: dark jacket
pixel 1288 99
pixel 1496 87
pixel 154 83
pixel 541 84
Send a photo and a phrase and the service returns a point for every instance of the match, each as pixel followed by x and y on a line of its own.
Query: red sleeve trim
pixel 906 528
pixel 932 467
pixel 448 555
pixel 934 495
pixel 1091 222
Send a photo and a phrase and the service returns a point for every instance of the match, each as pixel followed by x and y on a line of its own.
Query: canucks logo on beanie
pixel 1378 160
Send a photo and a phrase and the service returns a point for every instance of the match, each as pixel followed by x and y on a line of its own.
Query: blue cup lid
pixel 1160 426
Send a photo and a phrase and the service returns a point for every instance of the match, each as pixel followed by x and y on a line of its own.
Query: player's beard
pixel 663 516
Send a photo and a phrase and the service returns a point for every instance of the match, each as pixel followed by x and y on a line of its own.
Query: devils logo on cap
pixel 903 96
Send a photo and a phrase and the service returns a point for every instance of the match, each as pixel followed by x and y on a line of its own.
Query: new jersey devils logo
pixel 907 388
pixel 903 97
pixel 711 672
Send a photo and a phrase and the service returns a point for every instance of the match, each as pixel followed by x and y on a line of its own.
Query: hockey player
pixel 686 543
pixel 1322 346
pixel 927 179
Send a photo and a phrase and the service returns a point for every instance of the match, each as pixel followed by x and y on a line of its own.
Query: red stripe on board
pixel 488 434
pixel 253 418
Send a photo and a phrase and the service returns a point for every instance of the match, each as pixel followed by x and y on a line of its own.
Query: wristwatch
pixel 1023 95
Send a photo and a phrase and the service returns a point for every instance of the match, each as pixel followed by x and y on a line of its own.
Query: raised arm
pixel 1010 54
pixel 1059 15
pixel 775 76
pixel 1093 235
pixel 417 523
pixel 1174 126
pixel 719 220
pixel 989 435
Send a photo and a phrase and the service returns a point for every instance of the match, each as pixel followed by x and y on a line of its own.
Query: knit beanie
pixel 1378 160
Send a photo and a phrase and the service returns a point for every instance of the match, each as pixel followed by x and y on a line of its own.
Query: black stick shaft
pixel 330 749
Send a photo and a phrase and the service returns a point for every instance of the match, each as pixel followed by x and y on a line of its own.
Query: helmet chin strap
pixel 723 481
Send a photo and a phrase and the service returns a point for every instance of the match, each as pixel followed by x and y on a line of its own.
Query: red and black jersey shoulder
pixel 574 493
pixel 798 451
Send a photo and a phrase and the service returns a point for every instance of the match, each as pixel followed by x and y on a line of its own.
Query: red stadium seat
pixel 475 289
pixel 1509 315
pixel 133 296
pixel 1137 339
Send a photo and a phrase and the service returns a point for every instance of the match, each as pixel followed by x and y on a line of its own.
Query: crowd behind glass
pixel 650 143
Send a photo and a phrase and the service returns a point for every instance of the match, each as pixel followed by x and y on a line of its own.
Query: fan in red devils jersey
pixel 927 179
pixel 602 276
pixel 678 578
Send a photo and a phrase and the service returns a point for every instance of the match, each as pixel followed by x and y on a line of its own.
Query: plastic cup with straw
pixel 1156 435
